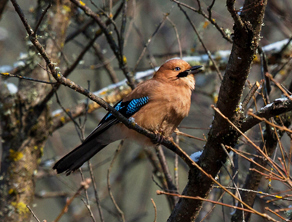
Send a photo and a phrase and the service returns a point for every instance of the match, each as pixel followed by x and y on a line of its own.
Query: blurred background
pixel 134 180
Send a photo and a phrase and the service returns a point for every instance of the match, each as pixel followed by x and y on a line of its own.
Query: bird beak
pixel 193 70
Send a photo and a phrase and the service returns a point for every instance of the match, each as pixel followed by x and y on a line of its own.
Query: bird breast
pixel 165 110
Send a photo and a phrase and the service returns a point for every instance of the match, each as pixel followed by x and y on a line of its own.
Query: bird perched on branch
pixel 158 104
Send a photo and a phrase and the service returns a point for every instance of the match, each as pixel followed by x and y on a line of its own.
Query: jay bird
pixel 158 104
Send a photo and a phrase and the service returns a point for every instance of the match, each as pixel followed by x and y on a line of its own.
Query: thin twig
pixel 258 192
pixel 201 41
pixel 284 128
pixel 177 36
pixel 236 188
pixel 106 63
pixel 83 185
pixel 176 165
pixel 95 192
pixel 35 217
pixel 231 194
pixel 162 160
pixel 158 192
pixel 156 183
pixel 89 209
pixel 42 16
pixel 72 67
pixel 122 31
pixel 210 19
pixel 268 209
pixel 26 78
pixel 210 211
pixel 230 159
pixel 80 56
pixel 149 41
pixel 86 195
pixel 158 172
pixel 282 150
pixel 121 213
pixel 252 161
pixel 278 107
pixel 86 113
pixel 155 210
pixel 250 94
pixel 115 48
pixel 77 126
pixel 252 143
pixel 210 9
pixel 285 46
pixel 86 25
pixel 278 85
pixel 187 135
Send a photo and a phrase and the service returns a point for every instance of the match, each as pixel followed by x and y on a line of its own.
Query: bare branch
pixel 26 78
pixel 42 16
pixel 84 185
pixel 278 107
pixel 33 214
pixel 121 213
pixel 203 44
pixel 111 41
pixel 211 20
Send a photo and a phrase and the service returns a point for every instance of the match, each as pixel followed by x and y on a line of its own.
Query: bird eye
pixel 177 69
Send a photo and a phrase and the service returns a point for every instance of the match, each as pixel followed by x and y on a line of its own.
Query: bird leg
pixel 159 137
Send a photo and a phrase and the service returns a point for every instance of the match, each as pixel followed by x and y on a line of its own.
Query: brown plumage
pixel 158 104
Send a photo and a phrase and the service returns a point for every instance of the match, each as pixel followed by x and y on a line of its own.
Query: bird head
pixel 178 72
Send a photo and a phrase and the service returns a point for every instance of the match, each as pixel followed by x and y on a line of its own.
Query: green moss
pixel 12 191
pixel 20 207
pixel 15 155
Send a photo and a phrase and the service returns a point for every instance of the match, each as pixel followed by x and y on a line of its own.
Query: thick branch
pixel 278 107
pixel 26 124
pixel 245 43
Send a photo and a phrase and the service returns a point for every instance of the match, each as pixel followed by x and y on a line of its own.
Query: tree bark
pixel 247 28
pixel 25 122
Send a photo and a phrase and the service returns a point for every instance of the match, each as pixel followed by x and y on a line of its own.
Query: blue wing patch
pixel 135 104
pixel 127 108
pixel 118 107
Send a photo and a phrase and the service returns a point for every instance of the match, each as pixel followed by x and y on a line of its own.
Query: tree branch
pixel 66 82
pixel 245 43
pixel 115 48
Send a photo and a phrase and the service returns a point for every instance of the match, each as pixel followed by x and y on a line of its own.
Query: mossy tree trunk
pixel 25 120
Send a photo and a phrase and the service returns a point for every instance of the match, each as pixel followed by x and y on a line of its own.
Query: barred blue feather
pixel 127 108
pixel 136 104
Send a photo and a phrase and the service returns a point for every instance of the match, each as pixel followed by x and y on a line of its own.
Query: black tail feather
pixel 73 160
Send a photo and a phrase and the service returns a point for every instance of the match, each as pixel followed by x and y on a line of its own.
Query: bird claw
pixel 159 137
